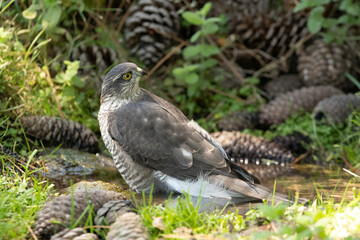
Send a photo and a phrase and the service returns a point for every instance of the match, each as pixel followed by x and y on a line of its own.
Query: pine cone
pixel 282 84
pixel 238 121
pixel 54 131
pixel 259 26
pixel 265 172
pixel 60 210
pixel 74 234
pixel 148 27
pixel 306 98
pixel 128 226
pixel 260 157
pixel 94 60
pixel 337 108
pixel 109 211
pixel 246 149
pixel 326 64
pixel 294 142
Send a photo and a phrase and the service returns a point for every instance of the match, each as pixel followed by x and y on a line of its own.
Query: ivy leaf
pixel 316 19
pixel 192 18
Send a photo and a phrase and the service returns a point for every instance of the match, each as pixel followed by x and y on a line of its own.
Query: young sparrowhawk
pixel 152 142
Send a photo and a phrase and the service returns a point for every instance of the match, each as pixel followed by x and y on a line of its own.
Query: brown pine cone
pixel 326 64
pixel 67 209
pixel 74 234
pixel 245 148
pixel 337 108
pixel 259 25
pixel 109 211
pixel 54 131
pixel 282 84
pixel 306 98
pixel 238 121
pixel 260 157
pixel 94 60
pixel 128 226
pixel 294 142
pixel 148 29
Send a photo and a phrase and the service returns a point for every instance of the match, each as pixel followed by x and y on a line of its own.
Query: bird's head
pixel 122 81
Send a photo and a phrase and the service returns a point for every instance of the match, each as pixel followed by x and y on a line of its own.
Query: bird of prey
pixel 153 143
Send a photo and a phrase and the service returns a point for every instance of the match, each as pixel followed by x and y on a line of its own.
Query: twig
pixel 31 231
pixel 351 173
pixel 226 94
pixel 126 15
pixel 298 159
pixel 172 52
pixel 171 36
pixel 229 64
pixel 352 168
pixel 211 115
pixel 48 78
pixel 282 59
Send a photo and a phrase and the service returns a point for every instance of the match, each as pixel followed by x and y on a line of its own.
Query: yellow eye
pixel 127 76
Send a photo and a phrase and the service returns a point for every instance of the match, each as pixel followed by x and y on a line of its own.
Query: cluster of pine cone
pixel 58 217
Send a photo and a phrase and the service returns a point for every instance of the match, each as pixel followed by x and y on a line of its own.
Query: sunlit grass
pixel 21 197
pixel 321 219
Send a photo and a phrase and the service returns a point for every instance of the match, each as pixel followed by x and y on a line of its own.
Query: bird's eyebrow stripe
pixel 116 77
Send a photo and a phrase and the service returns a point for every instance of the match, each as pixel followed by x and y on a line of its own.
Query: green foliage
pixel 198 85
pixel 320 220
pixel 332 28
pixel 27 88
pixel 198 56
pixel 186 215
pixel 54 17
pixel 21 197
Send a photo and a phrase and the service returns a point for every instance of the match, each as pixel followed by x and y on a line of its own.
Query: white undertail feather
pixel 200 187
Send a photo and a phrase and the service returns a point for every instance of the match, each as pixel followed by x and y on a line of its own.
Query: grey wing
pixel 208 137
pixel 153 136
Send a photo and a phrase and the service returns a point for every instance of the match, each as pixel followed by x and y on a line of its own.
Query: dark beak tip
pixel 143 73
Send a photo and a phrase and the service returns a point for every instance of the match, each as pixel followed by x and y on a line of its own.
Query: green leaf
pixel 192 67
pixel 351 7
pixel 69 91
pixel 192 78
pixel 205 10
pixel 208 50
pixel 310 3
pixel 209 28
pixel 302 5
pixel 31 12
pixel 192 18
pixel 191 51
pixel 315 19
pixel 51 17
pixel 195 37
pixel 179 72
pixel 78 82
pixel 253 80
pixel 209 63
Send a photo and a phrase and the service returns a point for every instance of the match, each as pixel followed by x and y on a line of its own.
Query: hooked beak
pixel 142 72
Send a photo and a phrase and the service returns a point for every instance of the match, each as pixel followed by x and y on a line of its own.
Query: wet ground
pixel 307 180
